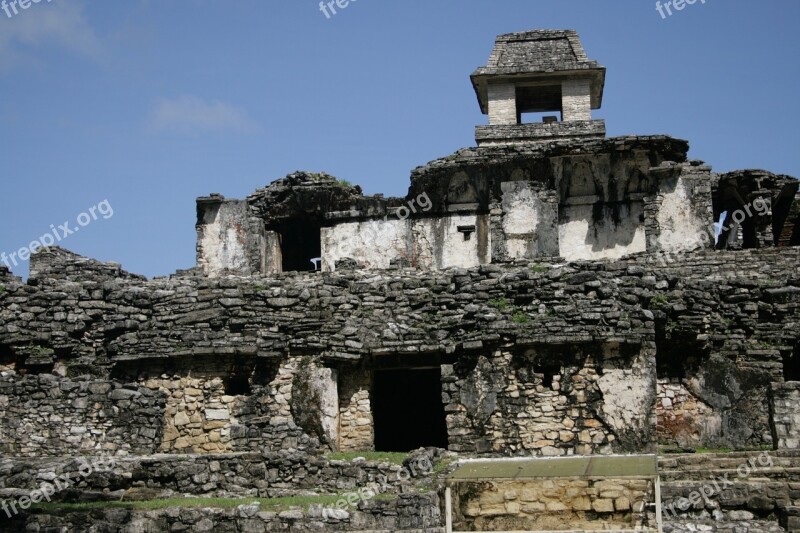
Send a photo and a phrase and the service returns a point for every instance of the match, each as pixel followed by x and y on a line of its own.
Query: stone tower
pixel 535 72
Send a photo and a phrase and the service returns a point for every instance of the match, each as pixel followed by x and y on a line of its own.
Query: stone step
pixel 694 525
pixel 692 462
pixel 778 457
pixel 762 474
pixel 700 457
pixel 725 464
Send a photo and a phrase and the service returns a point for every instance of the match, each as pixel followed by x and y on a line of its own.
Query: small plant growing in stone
pixel 539 269
pixel 344 184
pixel 260 288
pixel 659 299
pixel 2 288
pixel 520 317
pixel 500 304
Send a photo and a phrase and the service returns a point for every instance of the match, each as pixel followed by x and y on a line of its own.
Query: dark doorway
pixel 300 243
pixel 791 365
pixel 408 410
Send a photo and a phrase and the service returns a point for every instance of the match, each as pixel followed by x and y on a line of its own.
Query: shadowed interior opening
pixel 791 365
pixel 408 410
pixel 300 243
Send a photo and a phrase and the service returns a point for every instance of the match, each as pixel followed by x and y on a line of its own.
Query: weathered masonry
pixel 465 292
pixel 548 293
pixel 530 191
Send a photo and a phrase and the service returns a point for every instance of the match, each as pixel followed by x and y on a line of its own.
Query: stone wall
pixel 48 415
pixel 520 134
pixel 718 324
pixel 552 505
pixel 684 419
pixel 198 414
pixel 785 404
pixel 265 474
pixel 413 513
pixel 502 104
pixel 552 401
pixel 576 100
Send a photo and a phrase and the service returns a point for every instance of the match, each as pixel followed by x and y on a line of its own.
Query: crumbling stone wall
pixel 414 513
pixel 770 202
pixel 717 323
pixel 679 215
pixel 47 415
pixel 551 401
pixel 684 419
pixel 264 474
pixel 198 414
pixel 578 199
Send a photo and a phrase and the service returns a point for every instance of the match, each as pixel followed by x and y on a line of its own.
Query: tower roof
pixel 536 55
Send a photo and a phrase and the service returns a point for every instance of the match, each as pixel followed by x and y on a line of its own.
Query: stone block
pixel 217 414
pixel 603 506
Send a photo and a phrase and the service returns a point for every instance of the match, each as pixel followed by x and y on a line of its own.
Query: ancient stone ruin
pixel 550 293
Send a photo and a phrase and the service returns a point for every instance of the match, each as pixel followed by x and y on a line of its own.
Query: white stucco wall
pixel 439 244
pixel 374 243
pixel 581 237
pixel 430 243
pixel 222 239
pixel 681 227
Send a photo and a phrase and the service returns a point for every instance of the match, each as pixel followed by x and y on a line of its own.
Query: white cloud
pixel 61 23
pixel 190 114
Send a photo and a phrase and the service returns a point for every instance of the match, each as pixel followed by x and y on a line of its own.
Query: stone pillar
pixel 530 221
pixel 503 105
pixel 785 411
pixel 356 428
pixel 576 100
pixel 229 240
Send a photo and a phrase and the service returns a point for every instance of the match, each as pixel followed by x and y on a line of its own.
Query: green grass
pixel 260 288
pixel 721 449
pixel 344 183
pixel 540 269
pixel 387 457
pixel 442 465
pixel 2 288
pixel 41 350
pixel 215 503
pixel 499 303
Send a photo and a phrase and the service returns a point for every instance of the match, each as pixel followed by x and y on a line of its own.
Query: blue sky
pixel 149 104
